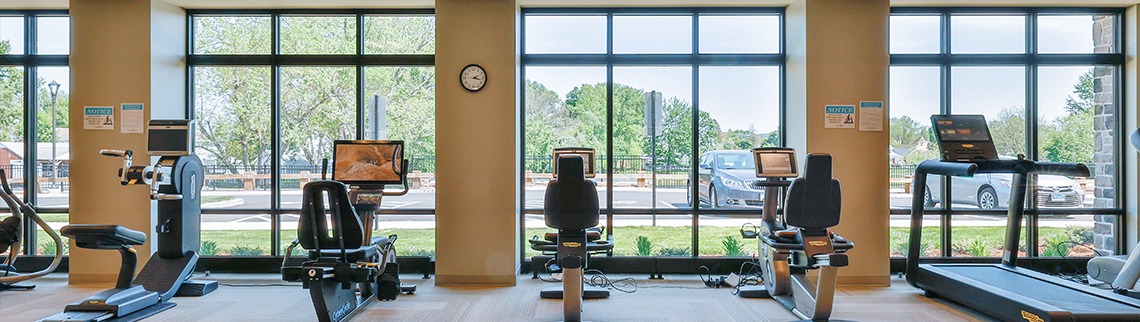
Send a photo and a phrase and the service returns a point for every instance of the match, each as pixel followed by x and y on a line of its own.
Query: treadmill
pixel 1003 291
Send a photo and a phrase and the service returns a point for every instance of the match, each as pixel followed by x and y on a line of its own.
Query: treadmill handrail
pixel 951 168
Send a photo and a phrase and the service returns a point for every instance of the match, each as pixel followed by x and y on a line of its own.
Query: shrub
pixel 1057 246
pixel 732 246
pixel 246 251
pixel 644 246
pixel 1080 234
pixel 976 248
pixel 209 248
pixel 48 248
pixel 671 251
pixel 416 252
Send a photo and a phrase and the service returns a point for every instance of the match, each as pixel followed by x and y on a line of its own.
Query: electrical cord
pixel 599 279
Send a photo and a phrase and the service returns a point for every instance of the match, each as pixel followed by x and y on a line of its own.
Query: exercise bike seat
pixel 102 236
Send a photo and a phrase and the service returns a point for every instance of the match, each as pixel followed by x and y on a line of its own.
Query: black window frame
pixel 30 60
pixel 275 60
pixel 609 60
pixel 1031 60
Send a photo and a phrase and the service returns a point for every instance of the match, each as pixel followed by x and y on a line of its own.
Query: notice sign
pixel 131 118
pixel 98 118
pixel 839 116
pixel 871 116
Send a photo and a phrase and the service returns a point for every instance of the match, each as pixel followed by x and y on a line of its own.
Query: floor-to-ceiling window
pixel 34 95
pixel 1047 81
pixel 672 100
pixel 270 92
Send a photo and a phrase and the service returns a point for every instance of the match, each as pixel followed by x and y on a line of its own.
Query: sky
pixel 54 38
pixel 740 97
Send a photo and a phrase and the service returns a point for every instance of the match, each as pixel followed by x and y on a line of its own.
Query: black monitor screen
pixel 174 141
pixel 961 128
pixel 775 162
pixel 587 158
pixel 368 162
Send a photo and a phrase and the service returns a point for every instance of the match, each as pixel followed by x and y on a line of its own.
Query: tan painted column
pixel 476 143
pixel 837 54
pixel 111 63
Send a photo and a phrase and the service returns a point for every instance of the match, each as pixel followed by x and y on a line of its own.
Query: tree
pixel 1070 137
pixel 1008 131
pixel 907 133
pixel 1084 90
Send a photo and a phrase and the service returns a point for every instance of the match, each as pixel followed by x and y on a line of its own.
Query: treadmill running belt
pixel 1062 297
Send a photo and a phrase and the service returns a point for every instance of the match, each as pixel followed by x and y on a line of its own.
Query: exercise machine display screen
pixel 368 162
pixel 587 156
pixel 775 162
pixel 168 137
pixel 963 137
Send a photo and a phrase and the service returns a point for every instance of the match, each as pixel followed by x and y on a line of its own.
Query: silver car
pixel 728 178
pixel 992 191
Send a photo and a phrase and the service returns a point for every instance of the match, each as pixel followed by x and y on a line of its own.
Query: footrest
pixel 102 236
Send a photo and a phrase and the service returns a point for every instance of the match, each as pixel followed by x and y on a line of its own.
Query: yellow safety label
pixel 1031 317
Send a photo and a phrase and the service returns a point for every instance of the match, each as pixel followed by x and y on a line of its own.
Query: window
pixel 269 102
pixel 34 92
pixel 1057 107
pixel 714 76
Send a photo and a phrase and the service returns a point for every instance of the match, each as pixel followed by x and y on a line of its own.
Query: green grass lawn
pixel 667 241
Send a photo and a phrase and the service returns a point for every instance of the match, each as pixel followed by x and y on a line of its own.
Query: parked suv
pixel 727 178
pixel 991 191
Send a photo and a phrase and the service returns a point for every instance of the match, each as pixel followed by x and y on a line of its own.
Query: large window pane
pixel 914 97
pixel 318 106
pixel 653 34
pixel 53 35
pixel 1072 236
pixel 11 35
pixel 720 235
pixel 634 167
pixel 1076 34
pixel 399 35
pixel 565 107
pixel 981 236
pixel 739 34
pixel 12 127
pixel 565 34
pixel 998 93
pixel 318 35
pixel 405 98
pixel 740 110
pixel 931 242
pixel 915 34
pixel 52 137
pixel 644 235
pixel 240 235
pixel 1076 106
pixel 987 34
pixel 232 113
pixel 232 35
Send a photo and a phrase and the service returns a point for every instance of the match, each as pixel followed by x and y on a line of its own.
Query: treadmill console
pixel 775 162
pixel 963 137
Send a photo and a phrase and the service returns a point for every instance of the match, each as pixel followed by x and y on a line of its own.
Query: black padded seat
pixel 102 236
pixel 352 255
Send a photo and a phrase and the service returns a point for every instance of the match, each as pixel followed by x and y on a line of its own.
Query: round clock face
pixel 473 77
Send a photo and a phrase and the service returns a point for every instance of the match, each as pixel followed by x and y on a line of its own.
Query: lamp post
pixel 54 88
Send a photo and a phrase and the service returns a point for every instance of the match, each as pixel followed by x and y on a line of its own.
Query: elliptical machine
pixel 11 229
pixel 176 183
pixel 346 268
pixel 800 241
pixel 572 207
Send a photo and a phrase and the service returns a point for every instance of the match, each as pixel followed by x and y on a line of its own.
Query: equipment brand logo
pixel 817 243
pixel 1031 317
pixel 572 244
pixel 340 313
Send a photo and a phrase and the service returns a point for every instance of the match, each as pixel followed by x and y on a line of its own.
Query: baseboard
pixel 476 280
pixel 868 280
pixel 103 279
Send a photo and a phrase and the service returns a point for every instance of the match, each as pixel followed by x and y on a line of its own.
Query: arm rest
pixel 102 236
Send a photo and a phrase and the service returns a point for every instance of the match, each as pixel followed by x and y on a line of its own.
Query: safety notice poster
pixel 839 116
pixel 871 116
pixel 132 118
pixel 98 118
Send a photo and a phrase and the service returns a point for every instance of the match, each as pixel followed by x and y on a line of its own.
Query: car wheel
pixel 928 201
pixel 713 199
pixel 987 198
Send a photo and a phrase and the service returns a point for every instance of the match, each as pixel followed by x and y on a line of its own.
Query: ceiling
pixel 254 4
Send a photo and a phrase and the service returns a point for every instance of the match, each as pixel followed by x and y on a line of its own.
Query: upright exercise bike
pixel 346 268
pixel 801 241
pixel 11 229
pixel 176 183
